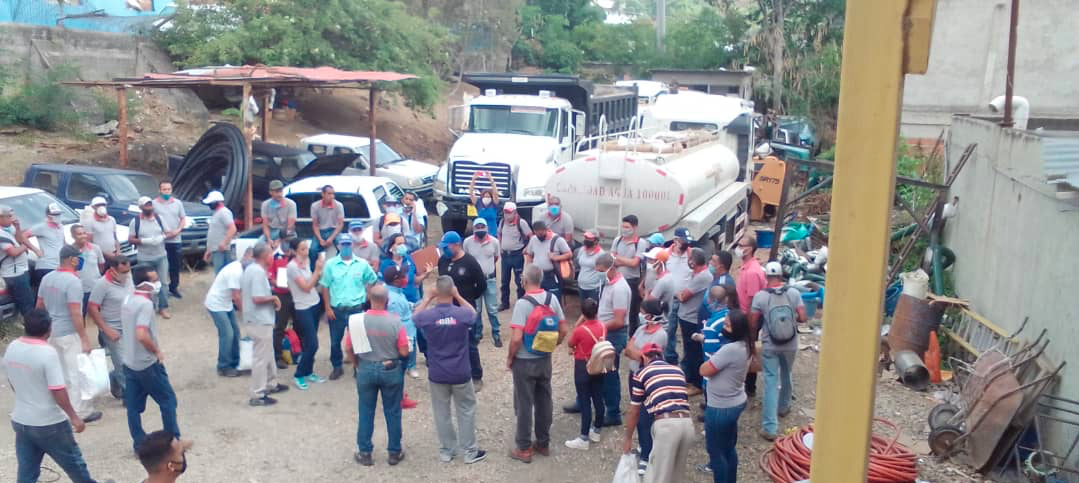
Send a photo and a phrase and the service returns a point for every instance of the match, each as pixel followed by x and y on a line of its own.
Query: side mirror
pixel 458 119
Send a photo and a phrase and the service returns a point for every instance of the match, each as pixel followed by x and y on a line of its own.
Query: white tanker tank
pixel 684 178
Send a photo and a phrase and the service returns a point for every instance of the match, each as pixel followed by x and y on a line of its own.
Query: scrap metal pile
pixel 218 161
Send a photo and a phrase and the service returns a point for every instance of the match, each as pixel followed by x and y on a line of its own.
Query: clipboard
pixel 424 256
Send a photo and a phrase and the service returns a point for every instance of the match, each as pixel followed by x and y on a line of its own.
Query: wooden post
pixel 373 136
pixel 265 108
pixel 121 102
pixel 249 215
pixel 1009 82
pixel 773 254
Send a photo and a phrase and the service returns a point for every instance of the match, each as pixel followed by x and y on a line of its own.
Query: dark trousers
pixel 307 323
pixel 552 284
pixel 721 438
pixel 32 443
pixel 373 378
pixel 174 253
pixel 35 279
pixel 281 320
pixel 644 433
pixel 612 385
pixel 585 293
pixel 475 334
pixel 20 290
pixel 692 352
pixel 634 315
pixel 751 383
pixel 589 390
pixel 512 261
pixel 670 353
pixel 150 382
pixel 337 332
pixel 532 401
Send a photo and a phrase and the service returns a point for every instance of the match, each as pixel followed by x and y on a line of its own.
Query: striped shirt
pixel 660 387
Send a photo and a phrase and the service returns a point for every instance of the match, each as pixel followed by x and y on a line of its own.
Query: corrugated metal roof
pixel 255 75
pixel 1060 158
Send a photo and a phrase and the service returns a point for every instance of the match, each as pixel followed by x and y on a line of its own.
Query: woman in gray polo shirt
pixel 726 373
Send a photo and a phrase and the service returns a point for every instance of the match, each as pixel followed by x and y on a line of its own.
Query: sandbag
pixel 247 354
pixel 93 374
pixel 626 472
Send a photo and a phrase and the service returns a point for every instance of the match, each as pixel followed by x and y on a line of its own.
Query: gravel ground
pixel 310 435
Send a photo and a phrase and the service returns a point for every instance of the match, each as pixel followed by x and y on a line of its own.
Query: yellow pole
pixel 883 39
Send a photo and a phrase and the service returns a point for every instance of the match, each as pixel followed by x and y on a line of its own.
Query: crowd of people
pixel 362 281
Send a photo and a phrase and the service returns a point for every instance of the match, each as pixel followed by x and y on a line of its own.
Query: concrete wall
pixel 969 54
pixel 1015 243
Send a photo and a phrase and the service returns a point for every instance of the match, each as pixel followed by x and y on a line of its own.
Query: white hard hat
pixel 773 269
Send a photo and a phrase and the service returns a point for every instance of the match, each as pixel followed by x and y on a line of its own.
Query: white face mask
pixel 101 211
pixel 739 252
pixel 153 287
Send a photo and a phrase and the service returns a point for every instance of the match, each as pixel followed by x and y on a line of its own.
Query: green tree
pixel 709 41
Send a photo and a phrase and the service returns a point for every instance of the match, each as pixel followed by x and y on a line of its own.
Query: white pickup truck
pixel 414 176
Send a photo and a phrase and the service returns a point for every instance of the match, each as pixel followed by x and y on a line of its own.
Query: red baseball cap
pixel 651 348
pixel 590 235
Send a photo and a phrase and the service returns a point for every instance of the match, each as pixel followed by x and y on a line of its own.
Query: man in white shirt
pixel 222 300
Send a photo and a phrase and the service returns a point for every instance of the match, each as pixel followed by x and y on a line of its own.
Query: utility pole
pixel 661 24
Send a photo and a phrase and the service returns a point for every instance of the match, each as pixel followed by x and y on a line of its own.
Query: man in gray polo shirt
pixel 220 232
pixel 327 221
pixel 278 215
pixel 513 234
pixel 107 297
pixel 259 307
pixel 485 249
pixel 173 217
pixel 147 231
pixel 50 238
pixel 545 250
pixel 102 226
pixel 14 263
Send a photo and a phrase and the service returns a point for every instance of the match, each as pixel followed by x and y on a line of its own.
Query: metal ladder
pixel 610 177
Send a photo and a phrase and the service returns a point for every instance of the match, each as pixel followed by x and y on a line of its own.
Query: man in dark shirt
pixel 471 282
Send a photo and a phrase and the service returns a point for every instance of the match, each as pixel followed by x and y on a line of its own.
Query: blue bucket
pixel 765 238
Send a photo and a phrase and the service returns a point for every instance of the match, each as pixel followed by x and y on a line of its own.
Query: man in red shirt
pixel 751 280
pixel 589 331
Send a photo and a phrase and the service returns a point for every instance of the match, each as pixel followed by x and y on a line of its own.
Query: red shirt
pixel 751 280
pixel 582 341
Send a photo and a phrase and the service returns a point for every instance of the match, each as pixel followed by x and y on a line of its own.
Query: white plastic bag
pixel 247 354
pixel 627 470
pixel 916 283
pixel 93 374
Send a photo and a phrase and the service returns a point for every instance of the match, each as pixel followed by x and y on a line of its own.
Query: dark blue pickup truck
pixel 76 185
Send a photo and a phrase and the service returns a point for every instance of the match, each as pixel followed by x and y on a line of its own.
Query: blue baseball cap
pixel 684 234
pixel 449 238
pixel 357 224
pixel 344 239
pixel 656 239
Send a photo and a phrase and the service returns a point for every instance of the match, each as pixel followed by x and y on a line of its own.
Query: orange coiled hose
pixel 787 461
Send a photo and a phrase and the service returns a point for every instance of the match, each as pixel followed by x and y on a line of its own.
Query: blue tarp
pixel 111 15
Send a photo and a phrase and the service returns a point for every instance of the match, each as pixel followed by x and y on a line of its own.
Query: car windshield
pixel 533 121
pixel 30 209
pixel 128 187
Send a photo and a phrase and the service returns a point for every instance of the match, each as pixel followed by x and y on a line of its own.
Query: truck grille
pixel 461 176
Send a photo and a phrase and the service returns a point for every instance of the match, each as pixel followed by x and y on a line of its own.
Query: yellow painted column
pixel 883 39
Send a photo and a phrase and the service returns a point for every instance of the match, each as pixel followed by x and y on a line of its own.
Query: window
pixel 341 150
pixel 532 121
pixel 129 187
pixel 30 209
pixel 83 187
pixel 260 167
pixel 47 180
pixel 317 149
pixel 355 206
pixel 380 194
pixel 395 191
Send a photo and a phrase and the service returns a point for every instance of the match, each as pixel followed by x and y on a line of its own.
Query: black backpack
pixel 138 224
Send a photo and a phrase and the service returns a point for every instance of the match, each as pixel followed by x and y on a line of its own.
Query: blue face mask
pixel 401 250
pixel 82 262
pixel 447 253
pixel 712 270
pixel 554 210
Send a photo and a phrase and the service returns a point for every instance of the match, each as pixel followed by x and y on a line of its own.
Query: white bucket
pixel 916 283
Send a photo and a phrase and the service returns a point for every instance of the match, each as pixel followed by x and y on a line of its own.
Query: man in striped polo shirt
pixel 661 388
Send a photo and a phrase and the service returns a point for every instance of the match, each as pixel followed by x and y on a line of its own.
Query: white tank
pixel 660 182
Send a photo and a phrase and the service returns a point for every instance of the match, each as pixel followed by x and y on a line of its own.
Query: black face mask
pixel 541 237
pixel 589 243
pixel 183 465
pixel 146 212
pixel 481 234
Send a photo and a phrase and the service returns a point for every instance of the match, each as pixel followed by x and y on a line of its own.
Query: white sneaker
pixel 577 443
pixel 594 435
pixel 414 373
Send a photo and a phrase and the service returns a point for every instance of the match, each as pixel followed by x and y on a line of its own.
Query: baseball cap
pixel 651 348
pixel 683 233
pixel 54 209
pixel 510 207
pixel 6 210
pixel 391 274
pixel 276 185
pixel 449 238
pixel 656 239
pixel 773 269
pixel 69 251
pixel 98 200
pixel 590 235
pixel 144 199
pixel 357 225
pixel 344 239
pixel 392 218
pixel 479 222
pixel 213 197
pixel 657 253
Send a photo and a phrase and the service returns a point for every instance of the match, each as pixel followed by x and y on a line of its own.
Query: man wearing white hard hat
pixel 776 311
pixel 219 235
pixel 513 234
pixel 147 232
pixel 101 227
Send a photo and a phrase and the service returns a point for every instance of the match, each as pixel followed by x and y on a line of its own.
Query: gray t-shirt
pixel 58 289
pixel 485 252
pixel 726 387
pixel 589 278
pixel 510 236
pixel 109 295
pixel 102 233
pixel 385 333
pixel 561 226
pixel 220 222
pixel 699 283
pixel 171 212
pixel 630 250
pixel 327 217
pixel 278 218
pixel 664 290
pixel 33 368
pixel 49 239
pixel 367 251
pixel 302 300
pixel 615 296
pixel 148 229
pixel 522 309
pixel 541 251
pixel 642 337
pixel 11 266
pixel 92 260
pixel 256 284
pixel 763 303
pixel 137 312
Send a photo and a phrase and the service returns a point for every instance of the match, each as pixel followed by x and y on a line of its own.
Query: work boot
pixel 542 450
pixel 364 458
pixel 228 372
pixel 336 373
pixel 497 340
pixel 504 307
pixel 522 455
pixel 395 458
pixel 281 364
pixel 571 408
pixel 767 436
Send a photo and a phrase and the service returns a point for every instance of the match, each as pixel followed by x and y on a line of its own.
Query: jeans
pixel 161 266
pixel 633 318
pixel 19 288
pixel 281 320
pixel 69 347
pixel 371 379
pixel 777 367
pixel 588 293
pixel 644 434
pixel 670 353
pixel 32 443
pixel 612 385
pixel 532 401
pixel 337 332
pixel 475 335
pixel 692 352
pixel 463 397
pixel 228 339
pixel 721 438
pixel 220 258
pixel 316 248
pixel 307 323
pixel 512 261
pixel 552 284
pixel 174 254
pixel 490 303
pixel 589 390
pixel 113 348
pixel 153 382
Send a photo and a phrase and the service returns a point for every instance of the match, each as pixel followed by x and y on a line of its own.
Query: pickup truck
pixel 414 176
pixel 76 185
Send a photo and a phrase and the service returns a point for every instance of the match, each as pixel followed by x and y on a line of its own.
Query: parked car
pixel 414 176
pixel 362 197
pixel 29 205
pixel 76 185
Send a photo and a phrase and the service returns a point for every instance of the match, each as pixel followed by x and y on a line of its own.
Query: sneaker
pixel 612 422
pixel 315 378
pixel 445 457
pixel 262 401
pixel 642 467
pixel 571 408
pixel 301 383
pixel 278 388
pixel 783 412
pixel 504 307
pixel 228 372
pixel 476 457
pixel 282 364
pixel 497 340
pixel 175 294
pixel 407 403
pixel 522 455
pixel 579 442
pixel 542 450
pixel 94 416
pixel 594 436
pixel 336 373
pixel 766 435
pixel 704 468
pixel 413 373
pixel 364 458
pixel 395 458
